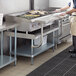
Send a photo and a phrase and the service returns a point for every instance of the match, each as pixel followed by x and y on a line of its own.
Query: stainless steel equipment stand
pixel 4 59
pixel 32 50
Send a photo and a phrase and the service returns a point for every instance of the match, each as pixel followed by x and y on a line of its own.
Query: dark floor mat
pixel 60 65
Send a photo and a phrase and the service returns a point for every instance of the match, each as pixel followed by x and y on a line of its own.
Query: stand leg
pixel 10 46
pixel 32 61
pixel 15 44
pixel 56 45
pixel 53 42
pixel 2 48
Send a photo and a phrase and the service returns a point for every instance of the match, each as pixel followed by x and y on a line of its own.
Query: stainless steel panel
pixel 65 30
pixel 41 4
pixel 58 3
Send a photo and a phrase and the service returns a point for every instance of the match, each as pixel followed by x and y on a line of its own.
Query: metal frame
pixel 33 51
pixel 5 60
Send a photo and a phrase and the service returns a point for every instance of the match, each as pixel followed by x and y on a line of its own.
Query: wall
pixel 41 4
pixel 8 6
pixel 58 3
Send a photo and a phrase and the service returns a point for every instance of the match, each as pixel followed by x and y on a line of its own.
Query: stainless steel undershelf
pixel 6 60
pixel 26 50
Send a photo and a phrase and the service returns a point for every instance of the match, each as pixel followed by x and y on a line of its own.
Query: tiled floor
pixel 24 67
